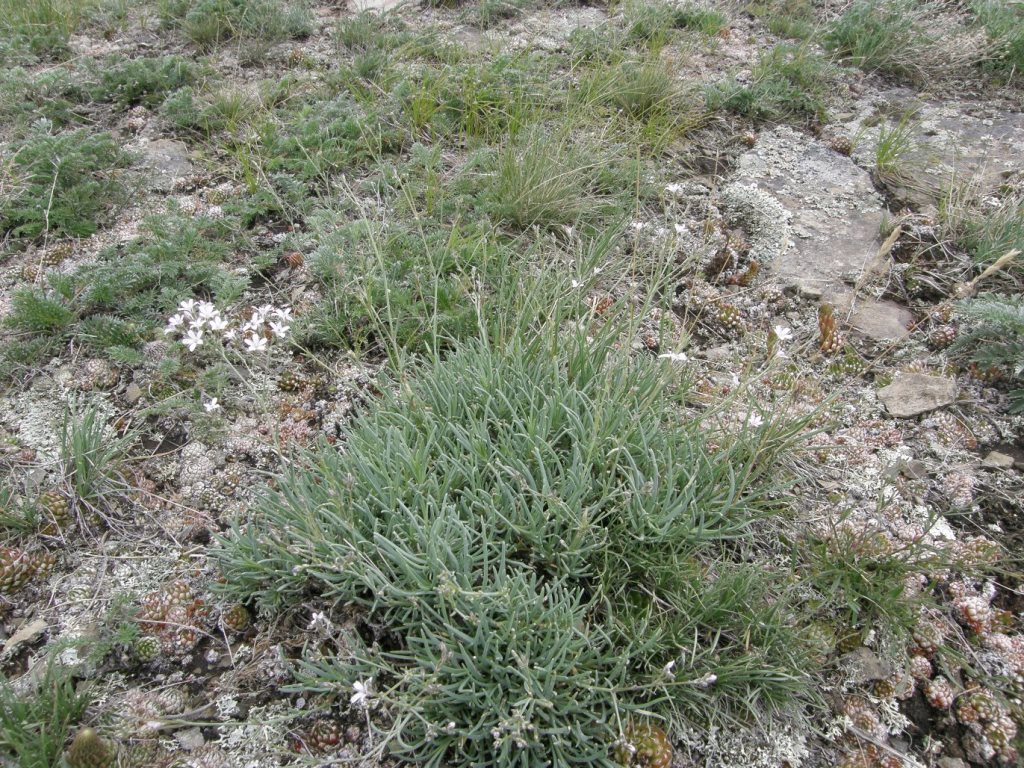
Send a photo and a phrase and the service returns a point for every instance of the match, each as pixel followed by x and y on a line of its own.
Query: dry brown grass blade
pixel 968 289
pixel 879 259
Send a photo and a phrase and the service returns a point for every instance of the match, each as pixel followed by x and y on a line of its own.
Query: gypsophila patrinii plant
pixel 994 337
pixel 550 542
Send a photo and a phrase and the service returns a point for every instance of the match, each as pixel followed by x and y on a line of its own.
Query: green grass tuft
pixel 40 28
pixel 789 82
pixel 986 231
pixel 787 18
pixel 1004 24
pixel 994 337
pixel 652 25
pixel 35 722
pixel 397 290
pixel 913 40
pixel 542 532
pixel 209 23
pixel 545 181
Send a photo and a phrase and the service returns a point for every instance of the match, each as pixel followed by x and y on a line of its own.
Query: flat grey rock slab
pixel 915 393
pixel 997 460
pixel 881 320
pixel 834 213
pixel 951 142
pixel 168 160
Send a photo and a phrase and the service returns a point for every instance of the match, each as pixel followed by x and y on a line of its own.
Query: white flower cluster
pixel 194 319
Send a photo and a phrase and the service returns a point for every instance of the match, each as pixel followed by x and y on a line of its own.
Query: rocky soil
pixel 904 441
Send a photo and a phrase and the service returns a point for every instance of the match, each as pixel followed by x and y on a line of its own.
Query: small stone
pixel 914 470
pixel 881 320
pixel 915 393
pixel 997 460
pixel 865 666
pixel 809 291
pixel 719 353
pixel 951 762
pixel 27 635
pixel 190 739
pixel 133 393
pixel 169 159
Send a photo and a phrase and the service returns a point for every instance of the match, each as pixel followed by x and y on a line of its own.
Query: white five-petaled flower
pixel 319 622
pixel 218 323
pixel 279 329
pixel 782 333
pixel 254 343
pixel 173 322
pixel 576 284
pixel 193 339
pixel 284 314
pixel 187 306
pixel 675 357
pixel 230 334
pixel 361 695
pixel 211 405
pixel 207 310
pixel 754 420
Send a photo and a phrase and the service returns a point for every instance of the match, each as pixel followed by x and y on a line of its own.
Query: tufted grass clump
pixel 392 289
pixel 788 83
pixel 550 180
pixel 550 545
pixel 653 25
pixel 481 102
pixel 1003 22
pixel 60 184
pixel 91 457
pixel 38 28
pixel 36 719
pixel 994 337
pixel 984 227
pixel 786 18
pixel 209 23
pixel 911 40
